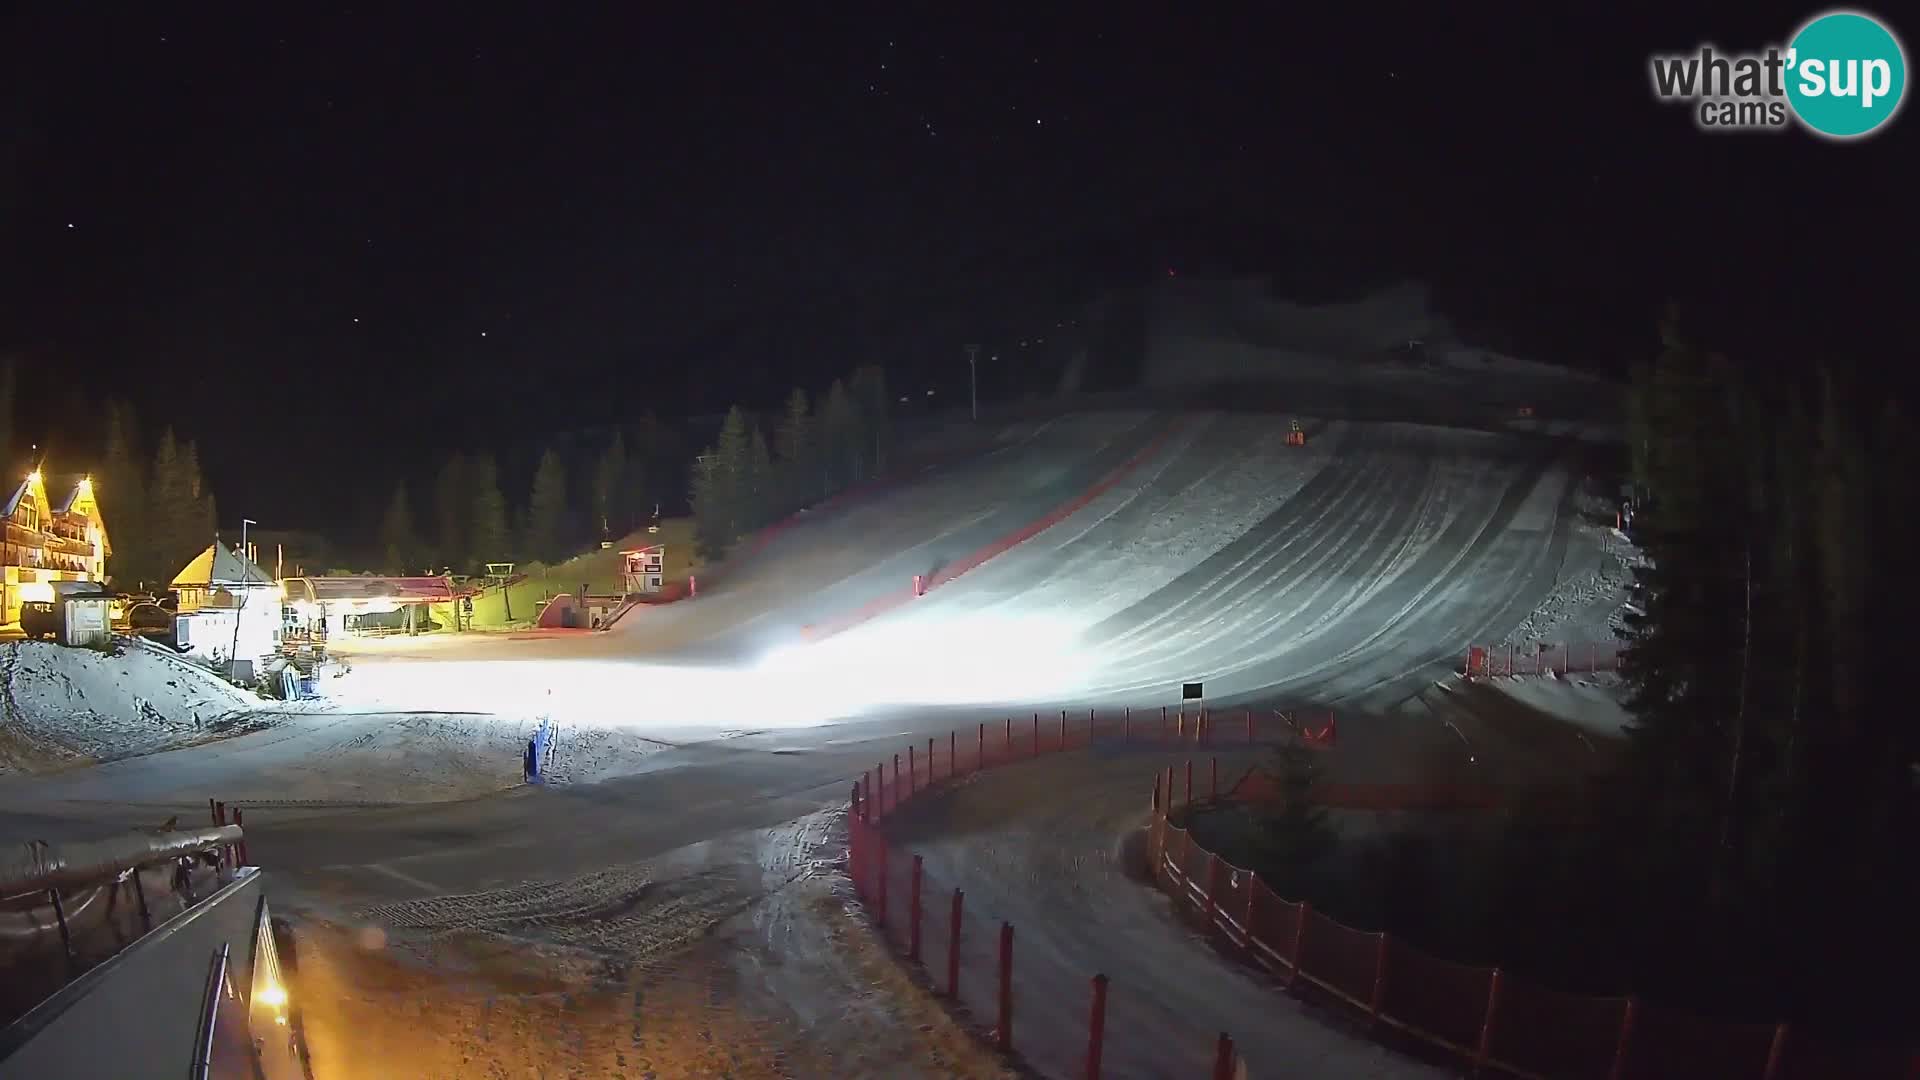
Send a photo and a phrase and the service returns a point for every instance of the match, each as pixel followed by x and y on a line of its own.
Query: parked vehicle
pixel 150 620
pixel 39 619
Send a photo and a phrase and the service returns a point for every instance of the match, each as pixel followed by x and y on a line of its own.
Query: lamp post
pixel 246 581
pixel 973 378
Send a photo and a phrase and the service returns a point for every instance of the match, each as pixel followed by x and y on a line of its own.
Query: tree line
pixel 470 521
pixel 155 500
pixel 1770 801
pixel 820 447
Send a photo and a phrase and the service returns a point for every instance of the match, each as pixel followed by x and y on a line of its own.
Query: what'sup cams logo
pixel 1842 76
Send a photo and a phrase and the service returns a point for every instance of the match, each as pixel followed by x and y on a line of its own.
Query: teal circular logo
pixel 1846 74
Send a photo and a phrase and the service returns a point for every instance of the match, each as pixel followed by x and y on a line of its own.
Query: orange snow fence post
pixel 1004 1036
pixel 1223 1058
pixel 1379 995
pixel 953 946
pixel 1480 1051
pixel 1619 1070
pixel 1096 1026
pixel 913 914
pixel 1213 889
pixel 1777 1049
pixel 910 770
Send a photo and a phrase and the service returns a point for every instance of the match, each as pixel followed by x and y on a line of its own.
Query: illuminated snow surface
pixel 68 706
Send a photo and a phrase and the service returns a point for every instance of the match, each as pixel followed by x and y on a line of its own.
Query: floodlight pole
pixel 246 580
pixel 973 378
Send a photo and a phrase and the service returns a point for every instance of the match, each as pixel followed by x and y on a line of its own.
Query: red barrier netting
pixel 1439 999
pixel 899 868
pixel 1173 862
pixel 1669 1045
pixel 1234 887
pixel 977 969
pixel 1339 957
pixel 1274 924
pixel 1542 657
pixel 1806 1056
pixel 1549 1033
pixel 1193 866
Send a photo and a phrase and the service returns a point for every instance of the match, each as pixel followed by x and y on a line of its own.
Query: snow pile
pixel 64 706
pixel 1588 602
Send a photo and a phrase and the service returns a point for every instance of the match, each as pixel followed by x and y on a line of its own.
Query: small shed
pixel 229 611
pixel 86 613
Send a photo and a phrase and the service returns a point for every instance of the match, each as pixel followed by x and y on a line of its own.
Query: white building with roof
pixel 229 607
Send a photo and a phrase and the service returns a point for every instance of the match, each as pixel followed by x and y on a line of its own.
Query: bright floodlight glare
pixel 935 660
pixel 919 659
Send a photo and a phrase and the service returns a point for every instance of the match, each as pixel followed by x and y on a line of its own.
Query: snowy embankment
pixel 1109 569
pixel 67 706
pixel 1595 704
pixel 1587 601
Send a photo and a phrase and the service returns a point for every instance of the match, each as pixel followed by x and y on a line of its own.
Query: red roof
pixel 413 589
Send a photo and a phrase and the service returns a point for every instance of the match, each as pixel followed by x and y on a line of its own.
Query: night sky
pixel 326 243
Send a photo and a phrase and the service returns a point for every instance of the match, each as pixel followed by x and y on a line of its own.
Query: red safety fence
pixel 1483 1016
pixel 1060 513
pixel 973 959
pixel 920 585
pixel 756 542
pixel 1542 658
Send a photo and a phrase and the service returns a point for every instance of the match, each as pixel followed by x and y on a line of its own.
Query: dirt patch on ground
pixel 744 962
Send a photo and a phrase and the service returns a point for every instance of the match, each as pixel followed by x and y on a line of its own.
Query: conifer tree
pixel 758 495
pixel 709 515
pixel 171 524
pixel 546 508
pixel 611 499
pixel 453 514
pixel 121 491
pixel 487 522
pixel 397 533
pixel 733 460
pixel 839 441
pixel 794 444
pixel 868 389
